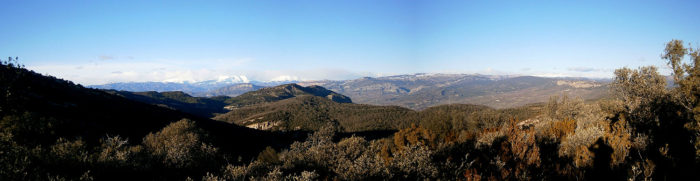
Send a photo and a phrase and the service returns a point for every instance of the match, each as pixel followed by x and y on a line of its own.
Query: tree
pixel 686 75
pixel 666 115
pixel 640 90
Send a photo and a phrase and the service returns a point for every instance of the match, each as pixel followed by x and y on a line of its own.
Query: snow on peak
pixel 284 78
pixel 232 79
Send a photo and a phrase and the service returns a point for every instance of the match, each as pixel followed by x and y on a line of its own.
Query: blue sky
pixel 95 42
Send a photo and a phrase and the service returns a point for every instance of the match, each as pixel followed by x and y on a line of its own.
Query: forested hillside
pixel 200 106
pixel 281 92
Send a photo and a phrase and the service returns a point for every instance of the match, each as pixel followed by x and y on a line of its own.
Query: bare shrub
pixel 116 150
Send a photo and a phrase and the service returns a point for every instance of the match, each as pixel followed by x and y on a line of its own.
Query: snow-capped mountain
pixel 199 88
pixel 223 81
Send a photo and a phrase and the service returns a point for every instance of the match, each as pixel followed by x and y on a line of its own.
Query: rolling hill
pixel 231 90
pixel 200 106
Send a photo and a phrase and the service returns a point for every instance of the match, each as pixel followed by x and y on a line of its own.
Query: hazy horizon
pixel 230 80
pixel 115 41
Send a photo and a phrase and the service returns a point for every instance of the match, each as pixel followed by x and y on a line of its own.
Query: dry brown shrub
pixel 522 144
pixel 648 168
pixel 619 138
pixel 643 170
pixel 640 141
pixel 558 130
pixel 385 152
pixel 464 136
pixel 576 145
pixel 450 137
pixel 413 136
pixel 611 107
pixel 472 175
pixel 583 157
pixel 487 136
pixel 563 108
pixel 519 153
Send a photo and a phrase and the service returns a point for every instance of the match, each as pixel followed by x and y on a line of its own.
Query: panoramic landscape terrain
pixel 350 90
pixel 418 91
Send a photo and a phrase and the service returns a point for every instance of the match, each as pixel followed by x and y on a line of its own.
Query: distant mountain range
pixel 230 90
pixel 228 86
pixel 421 91
pixel 417 91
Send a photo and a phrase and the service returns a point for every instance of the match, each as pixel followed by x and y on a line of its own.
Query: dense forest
pixel 52 129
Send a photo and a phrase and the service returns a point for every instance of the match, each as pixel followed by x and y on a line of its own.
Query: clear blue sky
pixel 94 42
